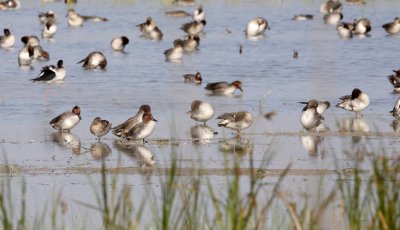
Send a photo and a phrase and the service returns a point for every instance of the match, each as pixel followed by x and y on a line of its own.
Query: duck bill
pixel 154 120
pixel 240 88
pixel 303 102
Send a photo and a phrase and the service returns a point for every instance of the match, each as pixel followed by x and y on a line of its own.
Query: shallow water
pixel 327 68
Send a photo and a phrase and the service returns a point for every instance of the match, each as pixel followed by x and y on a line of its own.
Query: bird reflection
pixel 311 143
pixel 356 125
pixel 68 141
pixel 100 150
pixel 143 156
pixel 396 125
pixel 202 134
pixel 236 145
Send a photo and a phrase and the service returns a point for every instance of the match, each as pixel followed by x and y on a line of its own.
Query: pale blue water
pixel 327 68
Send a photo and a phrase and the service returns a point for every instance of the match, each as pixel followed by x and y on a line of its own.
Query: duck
pixel 331 6
pixel 7 40
pixel 356 102
pixel 155 34
pixel 256 27
pixel 147 26
pixel 49 29
pixel 10 5
pixel 25 56
pixel 333 18
pixel 394 79
pixel 392 27
pixel 67 120
pixel 201 111
pixel 191 43
pixel 345 30
pixel 310 117
pixel 100 127
pixel 76 20
pixel 303 17
pixel 122 129
pixel 322 106
pixel 193 78
pixel 236 121
pixel 94 60
pixel 198 14
pixel 177 13
pixel 143 129
pixel 46 17
pixel 224 87
pixel 119 43
pixel 31 40
pixel 176 52
pixel 184 2
pixel 396 110
pixel 60 71
pixel 40 53
pixel 194 27
pixel 362 26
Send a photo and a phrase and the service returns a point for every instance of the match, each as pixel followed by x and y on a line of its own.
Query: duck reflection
pixel 236 145
pixel 396 125
pixel 202 134
pixel 143 156
pixel 354 125
pixel 68 141
pixel 311 143
pixel 100 150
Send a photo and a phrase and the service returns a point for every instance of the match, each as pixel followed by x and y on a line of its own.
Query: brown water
pixel 327 68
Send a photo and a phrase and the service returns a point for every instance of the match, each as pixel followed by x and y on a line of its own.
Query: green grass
pixel 361 200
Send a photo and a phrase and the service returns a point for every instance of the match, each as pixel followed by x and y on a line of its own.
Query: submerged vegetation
pixel 359 199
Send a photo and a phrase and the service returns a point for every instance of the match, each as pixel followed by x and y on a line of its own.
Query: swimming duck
pixel 392 27
pixel 198 14
pixel 94 60
pixel 256 27
pixel 46 17
pixel 193 78
pixel 7 40
pixel 331 6
pixel 191 43
pixel 224 87
pixel 119 43
pixel 25 55
pixel 303 17
pixel 362 26
pixel 176 52
pixel 194 27
pixel 333 18
pixel 49 29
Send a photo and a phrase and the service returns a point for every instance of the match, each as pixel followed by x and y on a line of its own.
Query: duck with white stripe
pixel 356 102
pixel 310 117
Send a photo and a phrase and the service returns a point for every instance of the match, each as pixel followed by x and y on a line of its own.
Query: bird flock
pixel 141 125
